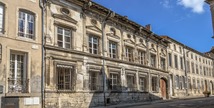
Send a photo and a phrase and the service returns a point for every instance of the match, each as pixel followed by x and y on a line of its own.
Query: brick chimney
pixel 148 27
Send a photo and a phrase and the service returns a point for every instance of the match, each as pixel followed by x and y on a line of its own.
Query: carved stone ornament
pixel 93 22
pixel 128 35
pixel 64 11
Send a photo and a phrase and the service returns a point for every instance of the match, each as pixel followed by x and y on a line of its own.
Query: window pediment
pixel 65 17
pixel 94 28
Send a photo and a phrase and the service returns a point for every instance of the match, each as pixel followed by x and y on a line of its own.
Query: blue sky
pixel 187 21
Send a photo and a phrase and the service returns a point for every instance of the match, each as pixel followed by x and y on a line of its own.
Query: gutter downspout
pixel 41 4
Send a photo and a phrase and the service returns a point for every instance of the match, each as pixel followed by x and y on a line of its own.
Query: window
pixel 129 53
pixel 154 84
pixel 181 62
pixel 191 56
pixel 180 49
pixel 182 82
pixel 93 45
pixel 193 67
pixel 114 81
pixel 176 61
pixel 202 85
pixel 197 71
pixel 193 81
pixel 205 71
pixel 131 82
pixel 201 70
pixel 141 56
pixel 163 66
pixel 112 49
pixel 177 81
pixel 198 85
pixel 26 24
pixel 17 80
pixel 188 66
pixel 142 83
pixel 65 77
pixel 153 60
pixel 63 37
pixel 170 59
pixel 94 81
pixel 174 47
pixel 189 84
pixel 1 18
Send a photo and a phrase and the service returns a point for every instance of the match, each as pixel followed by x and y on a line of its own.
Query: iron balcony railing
pixel 18 85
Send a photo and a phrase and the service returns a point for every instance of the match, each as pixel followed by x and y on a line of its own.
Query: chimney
pixel 149 27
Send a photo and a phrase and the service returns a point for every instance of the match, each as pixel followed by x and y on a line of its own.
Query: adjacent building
pixel 20 53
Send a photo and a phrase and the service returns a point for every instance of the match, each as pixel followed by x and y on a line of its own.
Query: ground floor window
pixel 65 77
pixel 131 81
pixel 95 81
pixel 154 83
pixel 114 81
pixel 142 83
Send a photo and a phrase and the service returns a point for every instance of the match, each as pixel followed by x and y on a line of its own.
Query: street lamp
pixel 103 24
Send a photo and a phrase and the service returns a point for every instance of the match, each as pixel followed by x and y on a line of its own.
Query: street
pixel 189 103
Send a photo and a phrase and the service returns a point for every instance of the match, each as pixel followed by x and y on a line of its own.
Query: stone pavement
pixel 150 102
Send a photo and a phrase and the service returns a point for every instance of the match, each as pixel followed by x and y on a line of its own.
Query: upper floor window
pixel 141 56
pixel 93 44
pixel 170 59
pixel 181 62
pixel 163 66
pixel 188 66
pixel 174 47
pixel 176 61
pixel 112 49
pixel 129 53
pixel 193 67
pixel 26 24
pixel 153 60
pixel 1 18
pixel 63 37
pixel 180 49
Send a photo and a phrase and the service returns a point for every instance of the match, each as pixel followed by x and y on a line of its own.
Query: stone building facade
pixel 20 53
pixel 94 56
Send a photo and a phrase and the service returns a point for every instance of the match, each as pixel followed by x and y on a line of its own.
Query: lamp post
pixel 103 24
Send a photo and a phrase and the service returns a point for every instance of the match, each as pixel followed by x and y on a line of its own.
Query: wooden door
pixel 163 88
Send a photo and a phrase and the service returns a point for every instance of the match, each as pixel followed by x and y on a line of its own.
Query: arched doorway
pixel 163 87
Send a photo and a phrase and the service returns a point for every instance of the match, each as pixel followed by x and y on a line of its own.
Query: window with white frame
pixel 1 17
pixel 64 37
pixel 129 53
pixel 141 56
pixel 163 63
pixel 94 81
pixel 114 81
pixel 66 77
pixel 17 80
pixel 26 24
pixel 130 78
pixel 142 81
pixel 153 60
pixel 93 44
pixel 154 84
pixel 112 49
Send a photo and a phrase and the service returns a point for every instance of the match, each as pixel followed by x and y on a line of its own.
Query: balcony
pixel 18 85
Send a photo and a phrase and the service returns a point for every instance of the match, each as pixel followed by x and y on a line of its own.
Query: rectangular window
pixel 63 37
pixel 1 18
pixel 194 85
pixel 26 25
pixel 198 85
pixel 131 82
pixel 177 81
pixel 204 71
pixel 193 67
pixel 65 77
pixel 197 71
pixel 112 49
pixel 17 80
pixel 163 66
pixel 154 84
pixel 181 62
pixel 153 60
pixel 188 66
pixel 176 61
pixel 129 54
pixel 93 45
pixel 114 81
pixel 189 84
pixel 142 83
pixel 170 59
pixel 94 81
pixel 141 56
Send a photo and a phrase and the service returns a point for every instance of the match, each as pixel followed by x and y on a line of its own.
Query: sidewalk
pixel 150 102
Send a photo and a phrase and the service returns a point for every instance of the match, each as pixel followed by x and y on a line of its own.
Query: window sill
pixel 25 39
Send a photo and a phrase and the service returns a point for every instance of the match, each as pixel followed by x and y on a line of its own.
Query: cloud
pixel 166 3
pixel 197 6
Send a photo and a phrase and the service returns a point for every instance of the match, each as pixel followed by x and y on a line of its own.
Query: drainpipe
pixel 41 4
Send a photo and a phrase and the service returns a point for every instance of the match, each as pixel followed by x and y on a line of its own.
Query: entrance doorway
pixel 163 87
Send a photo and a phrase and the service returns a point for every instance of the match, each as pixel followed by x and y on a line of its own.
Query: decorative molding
pixel 65 17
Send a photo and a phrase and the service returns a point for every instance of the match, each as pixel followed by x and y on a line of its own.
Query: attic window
pixel 65 11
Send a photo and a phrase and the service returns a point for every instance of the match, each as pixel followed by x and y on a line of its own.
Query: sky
pixel 187 21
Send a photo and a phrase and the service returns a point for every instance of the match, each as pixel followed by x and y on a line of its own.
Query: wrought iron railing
pixel 18 85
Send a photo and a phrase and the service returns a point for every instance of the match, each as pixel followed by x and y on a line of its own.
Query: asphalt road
pixel 188 103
